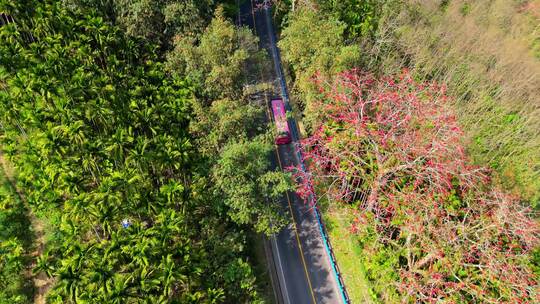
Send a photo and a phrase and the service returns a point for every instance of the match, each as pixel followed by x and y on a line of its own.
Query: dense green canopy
pixel 99 132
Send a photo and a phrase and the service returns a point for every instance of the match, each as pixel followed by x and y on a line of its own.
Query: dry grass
pixel 487 52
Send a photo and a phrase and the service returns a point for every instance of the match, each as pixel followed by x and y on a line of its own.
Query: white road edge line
pixel 274 242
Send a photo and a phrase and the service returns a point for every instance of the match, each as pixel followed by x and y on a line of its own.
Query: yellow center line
pixel 287 194
pixel 297 236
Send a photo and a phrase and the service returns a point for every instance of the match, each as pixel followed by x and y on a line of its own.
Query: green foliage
pixel 380 269
pixel 239 274
pixel 12 281
pixel 15 242
pixel 360 16
pixel 222 121
pixel 250 190
pixel 515 170
pixel 465 9
pixel 216 63
pixel 99 134
pixel 312 44
pixel 227 125
pixel 379 264
pixel 187 17
pixel 151 21
pixel 535 261
pixel 160 20
pixel 141 18
pixel 347 251
pixel 310 40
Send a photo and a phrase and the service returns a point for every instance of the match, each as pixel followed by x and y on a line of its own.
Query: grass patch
pixel 348 253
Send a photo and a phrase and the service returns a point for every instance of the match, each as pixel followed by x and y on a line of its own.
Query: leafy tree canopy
pixel 100 136
pixel 216 62
pixel 312 44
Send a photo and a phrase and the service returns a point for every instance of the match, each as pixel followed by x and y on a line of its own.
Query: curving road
pixel 301 265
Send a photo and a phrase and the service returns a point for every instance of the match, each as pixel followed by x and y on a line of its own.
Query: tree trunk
pixel 378 183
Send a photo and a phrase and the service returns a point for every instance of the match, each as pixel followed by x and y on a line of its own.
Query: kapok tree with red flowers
pixel 393 147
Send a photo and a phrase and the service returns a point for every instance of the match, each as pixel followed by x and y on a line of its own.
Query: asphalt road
pixel 301 263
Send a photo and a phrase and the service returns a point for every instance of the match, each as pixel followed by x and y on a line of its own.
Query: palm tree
pixel 104 212
pixel 43 264
pixel 69 281
pixel 137 157
pixel 119 291
pixel 118 143
pixel 102 274
pixel 171 276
